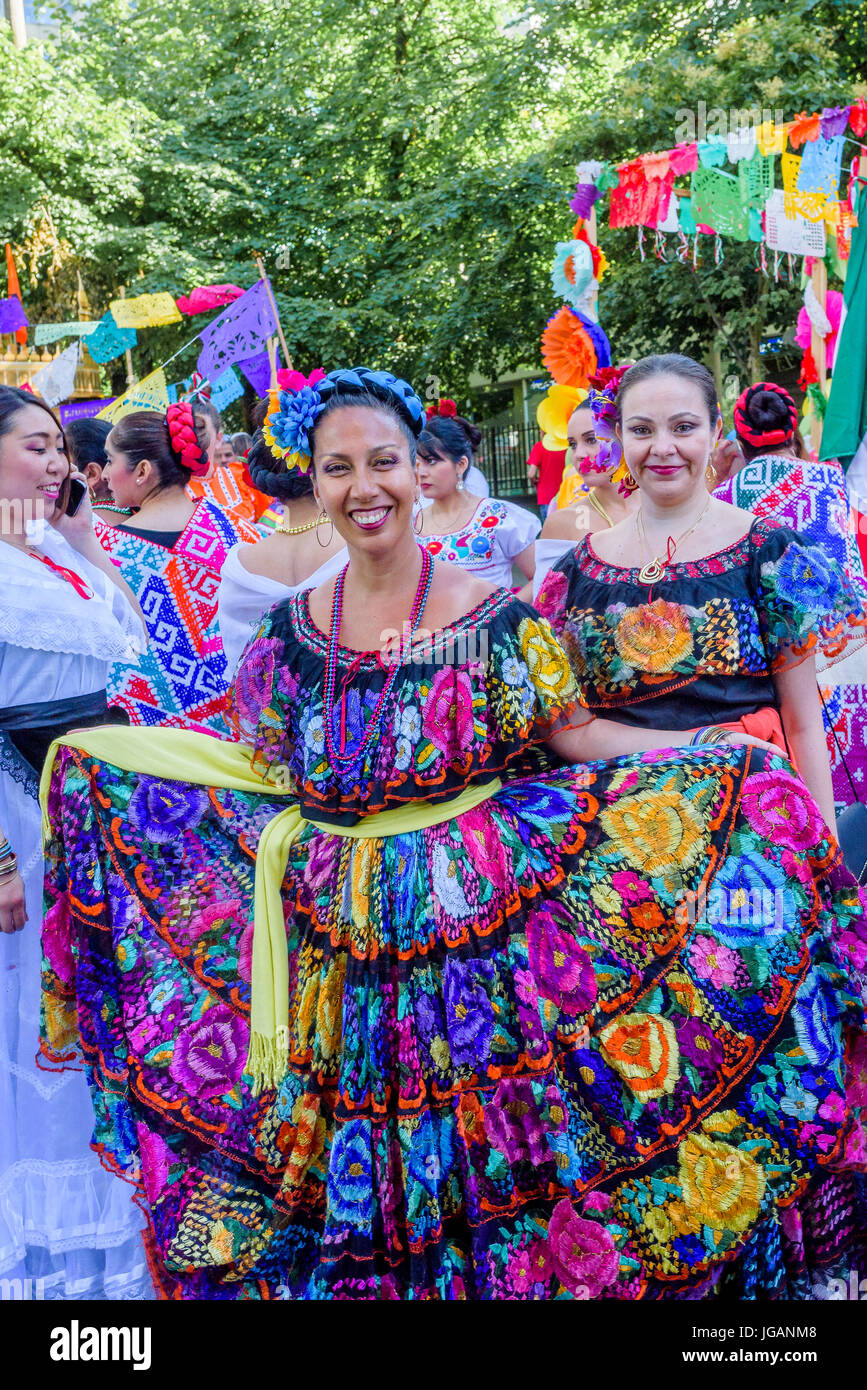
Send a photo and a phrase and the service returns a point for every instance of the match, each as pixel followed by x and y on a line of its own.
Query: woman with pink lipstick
pixel 399 1005
pixel 65 614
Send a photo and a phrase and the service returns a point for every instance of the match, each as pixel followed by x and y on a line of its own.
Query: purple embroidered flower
pixel 514 1125
pixel 469 1013
pixel 563 969
pixel 251 692
pixel 209 1055
pixel 161 810
pixel 698 1043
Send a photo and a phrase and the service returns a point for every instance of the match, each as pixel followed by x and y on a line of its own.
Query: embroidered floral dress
pixel 492 539
pixel 813 498
pixel 516 1069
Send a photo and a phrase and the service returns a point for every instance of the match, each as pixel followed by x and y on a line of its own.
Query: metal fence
pixel 502 457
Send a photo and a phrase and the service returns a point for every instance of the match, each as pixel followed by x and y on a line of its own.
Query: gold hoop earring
pixel 710 472
pixel 323 516
pixel 418 522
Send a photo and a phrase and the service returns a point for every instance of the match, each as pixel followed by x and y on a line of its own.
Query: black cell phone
pixel 77 494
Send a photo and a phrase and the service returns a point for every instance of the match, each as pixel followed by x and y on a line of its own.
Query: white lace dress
pixel 68 1228
pixel 244 598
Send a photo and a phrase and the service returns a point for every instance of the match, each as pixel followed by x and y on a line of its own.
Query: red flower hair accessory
pixel 445 407
pixel 764 438
pixel 185 442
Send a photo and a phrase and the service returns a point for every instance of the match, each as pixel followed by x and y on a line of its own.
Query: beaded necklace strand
pixel 342 758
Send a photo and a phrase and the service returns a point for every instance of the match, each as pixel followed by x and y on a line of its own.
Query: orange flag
pixel 13 287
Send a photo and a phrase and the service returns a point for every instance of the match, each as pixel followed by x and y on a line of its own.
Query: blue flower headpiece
pixel 292 413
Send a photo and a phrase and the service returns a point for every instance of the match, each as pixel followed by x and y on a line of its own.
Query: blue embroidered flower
pixel 350 1174
pixel 297 415
pixel 749 899
pixel 403 754
pixel 803 577
pixel 798 1103
pixel 431 1150
pixel 160 810
pixel 816 1013
pixel 314 735
pixel 469 1013
pixel 515 671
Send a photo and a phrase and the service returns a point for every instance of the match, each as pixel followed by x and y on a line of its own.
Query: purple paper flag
pixel 834 121
pixel 83 410
pixel 257 370
pixel 239 332
pixel 585 196
pixel 12 316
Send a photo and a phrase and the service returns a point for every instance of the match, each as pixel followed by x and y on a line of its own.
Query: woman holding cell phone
pixel 66 615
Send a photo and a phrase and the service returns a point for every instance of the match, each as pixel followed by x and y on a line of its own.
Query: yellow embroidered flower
pixel 546 661
pixel 657 1222
pixel 642 1049
pixel 654 637
pixel 722 1185
pixel 656 830
pixel 307 1140
pixel 329 1010
pixel 606 898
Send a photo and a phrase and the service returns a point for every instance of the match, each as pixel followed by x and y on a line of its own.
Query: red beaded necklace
pixel 341 757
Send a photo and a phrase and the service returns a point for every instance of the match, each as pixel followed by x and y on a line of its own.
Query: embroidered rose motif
pixel 779 808
pixel 562 969
pixel 209 1055
pixel 582 1252
pixel 654 637
pixel 642 1049
pixel 656 830
pixel 160 810
pixel 722 1185
pixel 447 718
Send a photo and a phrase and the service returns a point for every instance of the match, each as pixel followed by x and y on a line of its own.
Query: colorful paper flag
pixel 144 311
pixel 83 410
pixel 225 389
pixel 13 288
pixel 50 332
pixel 257 370
pixel 107 341
pixel 13 318
pixel 56 381
pixel 206 297
pixel 151 393
pixel 241 331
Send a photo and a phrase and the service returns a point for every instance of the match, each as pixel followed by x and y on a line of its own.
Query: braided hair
pixel 765 416
pixel 360 386
pixel 271 476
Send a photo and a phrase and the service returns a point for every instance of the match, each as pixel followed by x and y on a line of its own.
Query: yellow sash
pixel 179 755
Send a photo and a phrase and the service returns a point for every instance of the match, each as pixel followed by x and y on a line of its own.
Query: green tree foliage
pixel 404 166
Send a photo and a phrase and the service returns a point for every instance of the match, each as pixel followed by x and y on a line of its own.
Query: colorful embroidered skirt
pixel 598 1038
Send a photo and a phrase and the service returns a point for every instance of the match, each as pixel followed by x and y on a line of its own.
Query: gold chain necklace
pixel 281 530
pixel 655 567
pixel 594 502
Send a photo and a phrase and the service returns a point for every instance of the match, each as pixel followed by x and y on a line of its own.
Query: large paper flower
pixel 291 416
pixel 572 270
pixel 833 313
pixel 567 350
pixel 554 413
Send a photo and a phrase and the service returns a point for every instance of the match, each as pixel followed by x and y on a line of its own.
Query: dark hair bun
pixel 457 437
pixel 271 476
pixel 768 411
pixel 765 416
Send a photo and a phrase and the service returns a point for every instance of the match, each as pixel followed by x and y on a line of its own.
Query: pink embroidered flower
pixel 855 949
pixel 582 1252
pixel 520 1275
pixel 551 598
pixel 55 940
pixel 525 987
pixel 597 1201
pixel 856 1085
pixel 209 1055
pixel 541 1262
pixel 484 845
pixel 712 961
pixel 215 915
pixel 563 969
pixel 448 712
pixel 778 807
pixel 245 953
pixel 833 1109
pixel 156 1157
pixel 631 887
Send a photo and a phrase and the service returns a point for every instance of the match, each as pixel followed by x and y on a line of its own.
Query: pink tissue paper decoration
pixel 804 333
pixel 683 159
pixel 208 297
